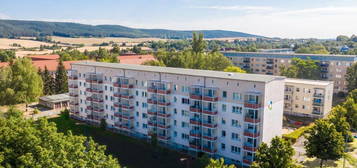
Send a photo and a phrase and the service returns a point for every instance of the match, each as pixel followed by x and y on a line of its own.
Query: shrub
pixel 296 134
pixel 36 111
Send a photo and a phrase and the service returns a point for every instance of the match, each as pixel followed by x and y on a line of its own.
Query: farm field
pixel 6 43
pixel 91 41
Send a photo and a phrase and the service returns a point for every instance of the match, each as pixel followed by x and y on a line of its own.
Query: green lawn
pixel 130 152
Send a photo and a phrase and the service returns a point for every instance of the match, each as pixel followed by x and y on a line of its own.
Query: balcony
pixel 127 127
pixel 152 101
pixel 73 94
pixel 163 114
pixel 251 119
pixel 152 111
pixel 195 133
pixel 126 96
pixel 98 110
pixel 126 106
pixel 319 95
pixel 89 108
pixel 209 149
pixel 195 146
pixel 73 86
pixel 97 100
pixel 210 98
pixel 116 104
pixel 195 96
pixel 163 91
pixel 152 89
pixel 209 124
pixel 250 147
pixel 94 80
pixel 74 103
pixel 251 133
pixel 152 124
pixel 252 104
pixel 195 109
pixel 163 125
pixel 126 85
pixel 117 95
pixel 210 111
pixel 73 77
pixel 248 160
pixel 209 137
pixel 163 137
pixel 163 102
pixel 195 121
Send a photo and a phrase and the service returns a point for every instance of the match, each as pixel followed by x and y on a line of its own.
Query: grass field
pixel 130 152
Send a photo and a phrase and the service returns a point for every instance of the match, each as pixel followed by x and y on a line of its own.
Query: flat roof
pixel 308 82
pixel 320 57
pixel 56 98
pixel 189 72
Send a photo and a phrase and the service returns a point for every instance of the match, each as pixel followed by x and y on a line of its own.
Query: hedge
pixel 293 136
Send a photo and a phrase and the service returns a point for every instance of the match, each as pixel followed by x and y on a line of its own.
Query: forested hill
pixel 17 28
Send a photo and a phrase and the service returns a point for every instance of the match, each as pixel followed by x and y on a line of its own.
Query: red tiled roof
pixel 135 59
pixel 44 57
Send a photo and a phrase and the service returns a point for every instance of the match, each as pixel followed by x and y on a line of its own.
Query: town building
pixel 333 67
pixel 55 102
pixel 308 98
pixel 221 114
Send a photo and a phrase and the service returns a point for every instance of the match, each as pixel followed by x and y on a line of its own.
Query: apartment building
pixel 333 67
pixel 218 113
pixel 308 98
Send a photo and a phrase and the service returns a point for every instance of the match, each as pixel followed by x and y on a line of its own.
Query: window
pixel 185 113
pixel 235 136
pixel 175 99
pixel 184 124
pixel 224 94
pixel 145 126
pixel 235 149
pixel 137 104
pixel 105 88
pixel 175 134
pixel 144 115
pixel 137 93
pixel 137 124
pixel 236 96
pixel 223 146
pixel 137 114
pixel 224 107
pixel 223 121
pixel 185 101
pixel 184 136
pixel 175 122
pixel 175 87
pixel 236 109
pixel 223 133
pixel 235 123
pixel 144 105
pixel 175 111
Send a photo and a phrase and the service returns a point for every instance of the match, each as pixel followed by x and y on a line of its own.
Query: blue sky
pixel 273 18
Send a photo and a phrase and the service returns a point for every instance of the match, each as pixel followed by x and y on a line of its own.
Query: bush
pixel 296 134
pixel 36 111
pixel 65 114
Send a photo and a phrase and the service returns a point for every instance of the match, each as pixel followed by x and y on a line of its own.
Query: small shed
pixel 59 101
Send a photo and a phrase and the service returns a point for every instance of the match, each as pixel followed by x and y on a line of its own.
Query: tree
pixel 342 38
pixel 278 154
pixel 20 83
pixel 13 112
pixel 137 50
pixel 154 63
pixel 7 55
pixel 351 107
pixel 48 82
pixel 303 69
pixel 234 69
pixel 61 80
pixel 29 143
pixel 338 119
pixel 324 142
pixel 219 163
pixel 351 77
pixel 198 44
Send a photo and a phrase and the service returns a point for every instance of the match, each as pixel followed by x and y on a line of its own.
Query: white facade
pixel 222 114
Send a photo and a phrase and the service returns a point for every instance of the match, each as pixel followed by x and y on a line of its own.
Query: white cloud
pixel 240 8
pixel 4 16
pixel 325 10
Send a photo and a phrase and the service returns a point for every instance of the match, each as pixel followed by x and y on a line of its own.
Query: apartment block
pixel 308 98
pixel 218 113
pixel 333 67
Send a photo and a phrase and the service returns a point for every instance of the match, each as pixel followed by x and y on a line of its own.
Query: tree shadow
pixel 316 163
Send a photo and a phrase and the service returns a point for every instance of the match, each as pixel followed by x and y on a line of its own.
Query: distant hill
pixel 17 28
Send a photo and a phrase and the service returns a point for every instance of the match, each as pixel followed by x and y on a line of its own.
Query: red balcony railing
pixel 194 146
pixel 209 137
pixel 195 109
pixel 195 122
pixel 164 138
pixel 163 126
pixel 163 103
pixel 250 148
pixel 126 86
pixel 195 134
pixel 209 112
pixel 251 120
pixel 152 90
pixel 126 106
pixel 152 101
pixel 208 98
pixel 209 150
pixel 163 114
pixel 196 97
pixel 73 77
pixel 210 125
pixel 252 105
pixel 73 86
pixel 251 134
pixel 73 94
pixel 153 124
pixel 163 91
